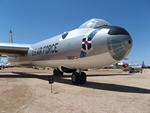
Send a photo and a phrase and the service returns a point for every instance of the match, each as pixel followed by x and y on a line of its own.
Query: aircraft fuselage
pixel 80 48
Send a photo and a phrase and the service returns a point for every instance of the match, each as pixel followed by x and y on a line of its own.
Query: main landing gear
pixel 78 78
pixel 57 72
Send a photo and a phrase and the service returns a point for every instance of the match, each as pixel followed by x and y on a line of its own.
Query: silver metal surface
pixel 94 44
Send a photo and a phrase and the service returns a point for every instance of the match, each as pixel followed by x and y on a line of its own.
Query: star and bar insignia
pixel 87 43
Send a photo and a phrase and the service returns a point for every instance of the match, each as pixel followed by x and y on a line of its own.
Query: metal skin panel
pixel 81 48
pixel 96 61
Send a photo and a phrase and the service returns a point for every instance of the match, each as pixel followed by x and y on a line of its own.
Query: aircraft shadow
pixel 106 75
pixel 89 84
pixel 97 75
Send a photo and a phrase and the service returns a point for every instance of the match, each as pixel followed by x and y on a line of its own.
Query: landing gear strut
pixel 78 78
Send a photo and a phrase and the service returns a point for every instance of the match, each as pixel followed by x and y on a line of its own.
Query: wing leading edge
pixel 14 49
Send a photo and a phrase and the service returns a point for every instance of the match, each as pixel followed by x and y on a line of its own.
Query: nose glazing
pixel 119 42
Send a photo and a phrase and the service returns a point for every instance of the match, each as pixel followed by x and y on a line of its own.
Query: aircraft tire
pixel 83 78
pixel 57 72
pixel 75 78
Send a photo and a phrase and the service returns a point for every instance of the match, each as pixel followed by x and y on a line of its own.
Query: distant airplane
pixel 95 44
pixel 122 65
pixel 131 68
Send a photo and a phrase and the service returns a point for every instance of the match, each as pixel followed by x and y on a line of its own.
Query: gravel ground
pixel 24 90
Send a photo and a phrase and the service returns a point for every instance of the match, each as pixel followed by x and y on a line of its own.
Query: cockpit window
pixel 95 23
pixel 64 35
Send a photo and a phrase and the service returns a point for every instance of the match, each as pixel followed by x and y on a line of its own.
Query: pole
pixel 10 37
pixel 51 81
pixel 51 88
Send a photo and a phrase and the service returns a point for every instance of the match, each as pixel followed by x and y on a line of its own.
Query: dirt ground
pixel 24 90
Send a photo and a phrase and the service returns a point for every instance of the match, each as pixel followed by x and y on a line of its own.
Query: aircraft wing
pixel 14 49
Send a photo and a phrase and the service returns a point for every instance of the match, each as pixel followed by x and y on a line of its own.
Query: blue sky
pixel 35 20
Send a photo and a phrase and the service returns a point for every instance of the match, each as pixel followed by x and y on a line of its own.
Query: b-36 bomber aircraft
pixel 95 44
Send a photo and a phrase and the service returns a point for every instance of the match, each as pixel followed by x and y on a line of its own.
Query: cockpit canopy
pixel 95 23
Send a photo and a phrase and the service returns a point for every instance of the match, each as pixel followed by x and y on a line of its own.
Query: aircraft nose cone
pixel 119 42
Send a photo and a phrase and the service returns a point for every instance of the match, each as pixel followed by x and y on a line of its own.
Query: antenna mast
pixel 10 37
